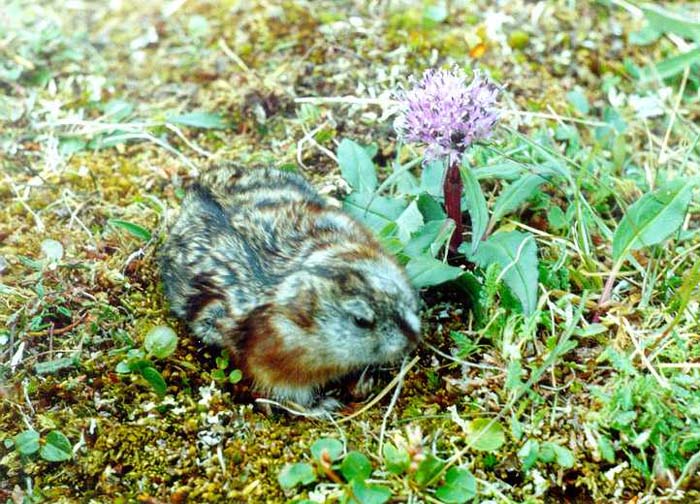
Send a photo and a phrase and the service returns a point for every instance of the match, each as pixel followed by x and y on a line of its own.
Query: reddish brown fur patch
pixel 264 358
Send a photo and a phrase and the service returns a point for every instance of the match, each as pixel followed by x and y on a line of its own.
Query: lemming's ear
pixel 360 312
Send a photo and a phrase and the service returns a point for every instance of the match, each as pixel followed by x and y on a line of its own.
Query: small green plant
pixel 222 363
pixel 55 447
pixel 160 342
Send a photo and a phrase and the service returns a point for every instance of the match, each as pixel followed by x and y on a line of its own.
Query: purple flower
pixel 447 114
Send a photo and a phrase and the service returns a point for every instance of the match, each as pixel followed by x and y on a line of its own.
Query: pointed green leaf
pixel 133 229
pixel 152 376
pixel 410 221
pixel 204 120
pixel 356 166
pixel 476 206
pixel 515 194
pixel 670 67
pixel 374 211
pixel 516 253
pixel 425 271
pixel 652 218
pixel 396 459
pixel 666 21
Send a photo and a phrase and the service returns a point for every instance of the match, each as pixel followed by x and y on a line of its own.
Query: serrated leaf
pixel 459 487
pixel 486 435
pixel 396 459
pixel 355 466
pixel 154 378
pixel 516 254
pixel 428 469
pixel 476 206
pixel 292 475
pixel 27 442
pixel 374 211
pixel 652 218
pixel 410 221
pixel 160 341
pixel 425 271
pixel 131 228
pixel 515 194
pixel 57 448
pixel 204 120
pixel 332 447
pixel 367 493
pixel 356 167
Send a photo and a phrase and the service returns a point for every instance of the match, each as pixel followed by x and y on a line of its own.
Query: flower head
pixel 444 112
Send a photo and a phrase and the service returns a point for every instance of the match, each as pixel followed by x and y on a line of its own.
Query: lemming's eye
pixel 363 322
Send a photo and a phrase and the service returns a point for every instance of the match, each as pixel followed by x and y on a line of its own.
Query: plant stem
pixel 452 190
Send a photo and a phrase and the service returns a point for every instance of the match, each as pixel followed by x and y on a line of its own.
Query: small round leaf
pixel 292 475
pixel 27 442
pixel 396 459
pixel 486 435
pixel 459 487
pixel 332 447
pixel 369 494
pixel 161 341
pixel 356 466
pixel 57 448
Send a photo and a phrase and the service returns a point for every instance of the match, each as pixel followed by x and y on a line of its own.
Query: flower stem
pixel 452 190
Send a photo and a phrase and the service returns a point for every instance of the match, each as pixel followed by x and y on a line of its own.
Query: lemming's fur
pixel 300 292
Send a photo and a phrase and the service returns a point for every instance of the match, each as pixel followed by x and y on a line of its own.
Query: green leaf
pixel 332 447
pixel 356 166
pixel 579 101
pixel 396 460
pixel 428 469
pixel 116 111
pixel 564 457
pixel 430 208
pixel 160 341
pixel 57 448
pixel 486 435
pixel 369 493
pixel 355 466
pixel 376 212
pixel 235 376
pixel 54 366
pixel 529 453
pixel 425 271
pixel 296 474
pixel 459 487
pixel 515 194
pixel 476 206
pixel 665 21
pixel 607 450
pixel 430 238
pixel 27 442
pixel 516 254
pixel 133 229
pixel 431 178
pixel 204 120
pixel 152 376
pixel 670 66
pixel 652 218
pixel 410 221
